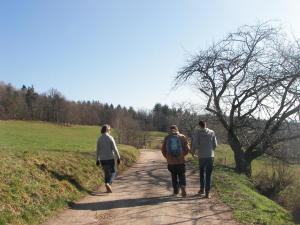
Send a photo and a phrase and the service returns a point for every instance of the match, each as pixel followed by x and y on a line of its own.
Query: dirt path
pixel 142 195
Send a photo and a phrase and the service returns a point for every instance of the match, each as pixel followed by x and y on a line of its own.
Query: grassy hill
pixel 154 139
pixel 45 167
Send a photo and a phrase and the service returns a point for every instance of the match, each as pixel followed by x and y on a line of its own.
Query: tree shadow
pixel 197 219
pixel 62 177
pixel 155 201
pixel 129 202
pixel 158 175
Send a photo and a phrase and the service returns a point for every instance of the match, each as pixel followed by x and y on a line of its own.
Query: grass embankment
pixel 248 205
pixel 46 166
pixel 238 192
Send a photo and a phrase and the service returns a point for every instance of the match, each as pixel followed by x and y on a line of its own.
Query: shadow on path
pixel 125 203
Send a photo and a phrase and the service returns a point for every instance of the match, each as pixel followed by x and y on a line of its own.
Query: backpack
pixel 174 147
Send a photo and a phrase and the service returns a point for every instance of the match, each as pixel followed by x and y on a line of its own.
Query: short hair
pixel 105 128
pixel 202 123
pixel 174 127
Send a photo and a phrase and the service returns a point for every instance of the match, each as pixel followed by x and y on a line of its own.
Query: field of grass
pixel 224 156
pixel 239 192
pixel 36 136
pixel 154 139
pixel 45 167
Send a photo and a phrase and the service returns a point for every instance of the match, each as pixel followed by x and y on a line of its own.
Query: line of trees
pixel 52 106
pixel 26 104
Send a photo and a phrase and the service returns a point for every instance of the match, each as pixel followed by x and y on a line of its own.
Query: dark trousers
pixel 178 175
pixel 206 168
pixel 109 170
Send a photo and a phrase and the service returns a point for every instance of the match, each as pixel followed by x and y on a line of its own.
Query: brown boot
pixel 201 192
pixel 176 191
pixel 108 188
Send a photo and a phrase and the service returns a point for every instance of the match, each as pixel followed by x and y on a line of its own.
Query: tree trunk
pixel 242 163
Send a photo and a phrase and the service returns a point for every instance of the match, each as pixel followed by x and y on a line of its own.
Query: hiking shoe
pixel 207 195
pixel 175 192
pixel 201 192
pixel 183 192
pixel 108 188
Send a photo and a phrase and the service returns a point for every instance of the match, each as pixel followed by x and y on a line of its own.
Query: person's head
pixel 174 129
pixel 202 124
pixel 105 129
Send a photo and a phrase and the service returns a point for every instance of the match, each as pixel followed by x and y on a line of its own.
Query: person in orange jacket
pixel 174 148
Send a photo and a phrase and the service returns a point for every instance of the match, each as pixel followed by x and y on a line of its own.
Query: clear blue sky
pixel 122 52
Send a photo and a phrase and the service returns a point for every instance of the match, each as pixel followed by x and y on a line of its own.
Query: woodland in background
pixel 26 104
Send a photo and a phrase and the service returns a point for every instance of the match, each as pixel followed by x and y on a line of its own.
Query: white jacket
pixel 107 148
pixel 204 142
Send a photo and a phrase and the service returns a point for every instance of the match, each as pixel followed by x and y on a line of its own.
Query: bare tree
pixel 128 130
pixel 56 106
pixel 250 81
pixel 30 97
pixel 187 117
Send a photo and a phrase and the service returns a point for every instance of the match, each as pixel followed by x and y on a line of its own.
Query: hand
pixel 97 162
pixel 118 161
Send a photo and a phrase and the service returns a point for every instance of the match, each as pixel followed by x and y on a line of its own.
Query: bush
pixel 271 183
pixel 290 199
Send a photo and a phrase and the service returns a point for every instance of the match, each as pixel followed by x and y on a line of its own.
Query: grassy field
pixel 45 167
pixel 224 156
pixel 154 139
pixel 239 192
pixel 36 136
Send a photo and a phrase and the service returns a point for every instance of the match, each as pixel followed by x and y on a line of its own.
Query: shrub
pixel 290 199
pixel 271 182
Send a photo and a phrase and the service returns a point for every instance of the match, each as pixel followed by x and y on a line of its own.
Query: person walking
pixel 174 148
pixel 107 151
pixel 204 143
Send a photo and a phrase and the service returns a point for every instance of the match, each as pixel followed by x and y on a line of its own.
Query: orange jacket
pixel 185 150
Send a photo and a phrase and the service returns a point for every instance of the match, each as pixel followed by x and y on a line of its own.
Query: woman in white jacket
pixel 107 151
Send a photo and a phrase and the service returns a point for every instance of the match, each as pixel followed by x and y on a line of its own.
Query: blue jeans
pixel 206 168
pixel 178 176
pixel 109 170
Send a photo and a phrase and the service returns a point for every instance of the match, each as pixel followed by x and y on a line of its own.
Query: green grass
pixel 248 205
pixel 154 139
pixel 36 136
pixel 45 166
pixel 157 134
pixel 224 156
pixel 239 193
